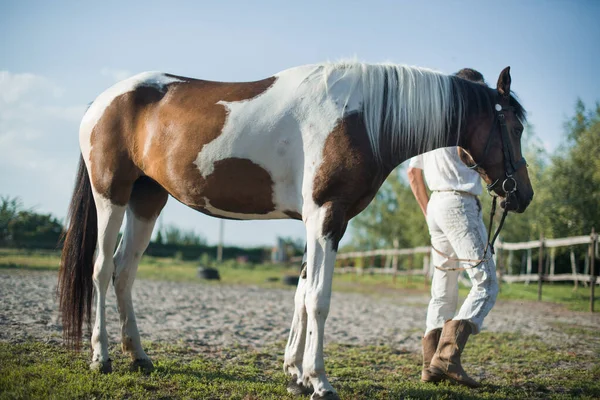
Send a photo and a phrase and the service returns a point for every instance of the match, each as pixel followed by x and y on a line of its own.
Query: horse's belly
pixel 215 212
pixel 238 188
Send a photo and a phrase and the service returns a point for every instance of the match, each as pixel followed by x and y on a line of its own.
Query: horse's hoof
pixel 143 365
pixel 297 389
pixel 104 367
pixel 328 395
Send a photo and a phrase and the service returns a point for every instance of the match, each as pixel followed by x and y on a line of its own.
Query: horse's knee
pixel 121 279
pixel 317 305
pixel 103 270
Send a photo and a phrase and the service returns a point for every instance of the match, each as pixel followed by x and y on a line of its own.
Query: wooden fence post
pixel 540 267
pixel 574 268
pixel 552 260
pixel 395 260
pixel 529 262
pixel 592 271
pixel 586 267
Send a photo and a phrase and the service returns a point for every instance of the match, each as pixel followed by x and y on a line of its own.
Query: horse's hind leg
pixel 146 202
pixel 110 218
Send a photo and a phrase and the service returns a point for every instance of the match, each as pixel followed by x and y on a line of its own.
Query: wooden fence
pixel 546 272
pixel 504 253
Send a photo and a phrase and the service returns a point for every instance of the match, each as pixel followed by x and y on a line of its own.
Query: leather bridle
pixel 508 186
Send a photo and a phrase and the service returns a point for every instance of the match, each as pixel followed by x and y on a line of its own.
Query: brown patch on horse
pixel 239 185
pixel 303 273
pixel 112 170
pixel 348 177
pixel 158 132
pixel 182 124
pixel 147 198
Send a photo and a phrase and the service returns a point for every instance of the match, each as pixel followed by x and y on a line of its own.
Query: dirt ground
pixel 202 315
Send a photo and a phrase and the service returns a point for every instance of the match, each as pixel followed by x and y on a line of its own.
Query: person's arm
pixel 417 185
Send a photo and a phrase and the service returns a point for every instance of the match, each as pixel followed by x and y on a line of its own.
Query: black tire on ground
pixel 209 274
pixel 291 280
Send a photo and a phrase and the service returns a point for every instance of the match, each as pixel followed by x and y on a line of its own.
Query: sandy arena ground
pixel 199 315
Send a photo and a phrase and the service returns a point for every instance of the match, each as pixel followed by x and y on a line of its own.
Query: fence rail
pixel 549 243
pixel 544 275
pixel 549 278
pixel 384 252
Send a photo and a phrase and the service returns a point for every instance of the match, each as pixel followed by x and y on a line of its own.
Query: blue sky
pixel 55 57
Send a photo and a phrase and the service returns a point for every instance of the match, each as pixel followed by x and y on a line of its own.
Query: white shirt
pixel 444 170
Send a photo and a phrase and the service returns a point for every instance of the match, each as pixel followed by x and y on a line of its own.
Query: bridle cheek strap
pixel 509 185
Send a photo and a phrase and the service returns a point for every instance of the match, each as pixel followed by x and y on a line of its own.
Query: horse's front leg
pixel 294 351
pixel 324 228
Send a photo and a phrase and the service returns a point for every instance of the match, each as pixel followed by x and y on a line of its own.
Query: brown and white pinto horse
pixel 312 143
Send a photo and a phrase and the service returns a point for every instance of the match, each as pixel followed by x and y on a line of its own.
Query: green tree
pixel 394 214
pixel 35 230
pixel 159 237
pixel 9 210
pixel 20 227
pixel 174 235
pixel 574 177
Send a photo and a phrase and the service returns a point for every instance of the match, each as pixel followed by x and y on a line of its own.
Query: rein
pixel 509 186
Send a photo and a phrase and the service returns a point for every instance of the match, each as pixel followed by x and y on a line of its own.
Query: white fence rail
pixel 545 269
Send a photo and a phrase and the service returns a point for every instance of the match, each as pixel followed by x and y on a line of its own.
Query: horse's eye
pixel 518 132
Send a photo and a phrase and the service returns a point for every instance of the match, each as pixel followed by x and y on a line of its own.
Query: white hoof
pixel 104 367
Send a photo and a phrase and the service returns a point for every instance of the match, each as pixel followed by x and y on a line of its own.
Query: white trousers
pixel 457 230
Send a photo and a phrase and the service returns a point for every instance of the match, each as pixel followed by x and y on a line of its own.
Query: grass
pixel 269 275
pixel 553 292
pixel 164 269
pixel 509 365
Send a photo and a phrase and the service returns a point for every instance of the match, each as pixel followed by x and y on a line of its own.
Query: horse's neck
pixel 456 137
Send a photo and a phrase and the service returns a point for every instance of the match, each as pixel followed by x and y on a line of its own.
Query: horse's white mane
pixel 404 107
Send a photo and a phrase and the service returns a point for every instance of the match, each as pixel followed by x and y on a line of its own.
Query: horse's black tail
pixel 75 286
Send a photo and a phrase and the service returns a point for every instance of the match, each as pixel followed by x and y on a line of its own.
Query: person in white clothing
pixel 453 214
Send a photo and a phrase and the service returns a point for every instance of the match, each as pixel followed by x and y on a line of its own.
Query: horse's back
pixel 227 149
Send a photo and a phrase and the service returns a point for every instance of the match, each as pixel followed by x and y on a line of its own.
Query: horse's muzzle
pixel 513 203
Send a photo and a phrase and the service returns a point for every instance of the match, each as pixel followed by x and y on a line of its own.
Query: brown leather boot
pixel 446 360
pixel 430 344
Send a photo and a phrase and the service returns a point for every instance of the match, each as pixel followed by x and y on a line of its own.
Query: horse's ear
pixel 504 82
